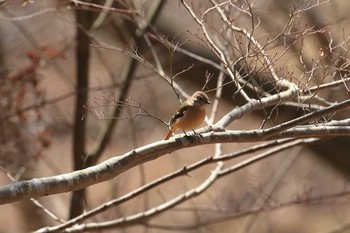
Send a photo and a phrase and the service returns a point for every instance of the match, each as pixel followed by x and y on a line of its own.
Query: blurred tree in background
pixel 87 88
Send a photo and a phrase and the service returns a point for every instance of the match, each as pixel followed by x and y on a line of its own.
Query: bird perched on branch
pixel 190 114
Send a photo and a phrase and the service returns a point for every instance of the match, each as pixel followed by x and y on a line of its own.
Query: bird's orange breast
pixel 192 120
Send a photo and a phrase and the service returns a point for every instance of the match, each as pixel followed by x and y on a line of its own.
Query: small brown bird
pixel 190 114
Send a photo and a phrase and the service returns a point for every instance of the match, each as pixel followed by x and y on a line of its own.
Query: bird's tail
pixel 168 135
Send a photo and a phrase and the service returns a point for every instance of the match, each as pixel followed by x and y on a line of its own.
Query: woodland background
pixel 84 81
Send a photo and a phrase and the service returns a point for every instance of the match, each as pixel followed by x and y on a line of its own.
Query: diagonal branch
pixel 144 216
pixel 254 104
pixel 182 171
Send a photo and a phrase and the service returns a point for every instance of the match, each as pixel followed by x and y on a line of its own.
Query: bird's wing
pixel 182 112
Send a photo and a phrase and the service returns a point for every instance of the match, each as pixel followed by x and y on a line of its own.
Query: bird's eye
pixel 199 98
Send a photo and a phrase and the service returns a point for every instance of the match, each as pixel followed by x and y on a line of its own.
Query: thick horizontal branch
pixel 119 164
pixel 306 131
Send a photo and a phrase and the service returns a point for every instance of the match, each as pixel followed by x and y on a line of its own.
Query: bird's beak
pixel 208 102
